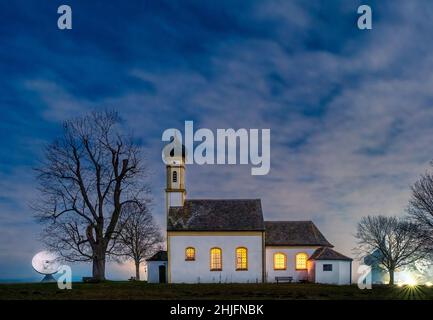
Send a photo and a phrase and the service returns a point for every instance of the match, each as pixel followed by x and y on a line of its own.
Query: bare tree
pixel 396 241
pixel 85 179
pixel 420 208
pixel 139 236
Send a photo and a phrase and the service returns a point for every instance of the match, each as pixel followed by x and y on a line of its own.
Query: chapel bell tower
pixel 175 191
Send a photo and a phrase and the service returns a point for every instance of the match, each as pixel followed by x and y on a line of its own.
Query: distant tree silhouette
pixel 139 236
pixel 395 241
pixel 420 209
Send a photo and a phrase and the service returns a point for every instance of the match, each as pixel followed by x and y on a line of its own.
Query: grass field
pixel 143 291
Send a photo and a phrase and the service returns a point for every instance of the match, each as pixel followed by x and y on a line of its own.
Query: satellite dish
pixel 46 263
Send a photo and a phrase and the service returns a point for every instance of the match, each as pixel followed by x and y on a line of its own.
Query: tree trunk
pixel 391 277
pixel 98 271
pixel 137 270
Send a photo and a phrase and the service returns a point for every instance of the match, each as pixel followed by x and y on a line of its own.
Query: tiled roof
pixel 217 215
pixel 159 256
pixel 326 253
pixel 294 233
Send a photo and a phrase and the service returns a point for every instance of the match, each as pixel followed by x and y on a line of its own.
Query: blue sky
pixel 350 111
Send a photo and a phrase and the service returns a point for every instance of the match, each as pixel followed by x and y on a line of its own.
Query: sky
pixel 350 111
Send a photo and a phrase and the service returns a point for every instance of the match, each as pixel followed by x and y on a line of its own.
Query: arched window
pixel 190 254
pixel 241 258
pixel 174 176
pixel 280 261
pixel 216 263
pixel 301 261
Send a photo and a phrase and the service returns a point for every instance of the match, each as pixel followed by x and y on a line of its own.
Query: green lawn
pixel 141 290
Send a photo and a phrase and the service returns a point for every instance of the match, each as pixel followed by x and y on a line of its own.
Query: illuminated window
pixel 241 259
pixel 280 261
pixel 190 254
pixel 174 176
pixel 216 263
pixel 301 261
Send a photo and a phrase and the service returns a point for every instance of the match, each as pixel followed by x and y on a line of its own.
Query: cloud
pixel 350 111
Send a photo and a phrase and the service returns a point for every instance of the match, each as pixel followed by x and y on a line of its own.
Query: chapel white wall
pixel 340 274
pixel 198 271
pixel 175 199
pixel 345 272
pixel 153 270
pixel 290 271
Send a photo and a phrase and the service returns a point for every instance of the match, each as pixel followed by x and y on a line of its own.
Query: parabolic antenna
pixel 46 263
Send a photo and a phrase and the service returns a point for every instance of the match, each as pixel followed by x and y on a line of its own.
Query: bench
pixel 132 279
pixel 90 280
pixel 284 279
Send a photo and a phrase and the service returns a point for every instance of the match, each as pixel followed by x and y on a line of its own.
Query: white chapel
pixel 228 241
